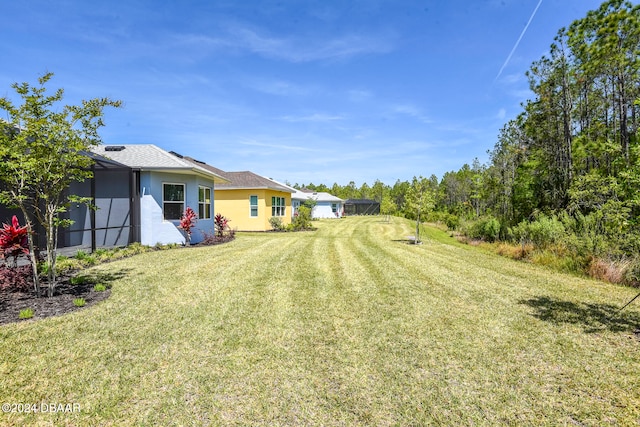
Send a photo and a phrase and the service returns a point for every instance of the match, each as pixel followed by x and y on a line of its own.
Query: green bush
pixel 302 218
pixel 452 221
pixel 27 313
pixel 79 302
pixel 276 223
pixel 491 229
pixel 543 232
pixel 486 228
pixel 79 280
pixel 100 287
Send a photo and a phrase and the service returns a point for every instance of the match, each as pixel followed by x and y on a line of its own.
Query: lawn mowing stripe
pixel 341 326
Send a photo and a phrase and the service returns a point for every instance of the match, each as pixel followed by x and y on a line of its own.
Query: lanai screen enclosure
pixel 361 207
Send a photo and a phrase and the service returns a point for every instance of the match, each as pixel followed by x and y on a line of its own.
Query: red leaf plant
pixel 221 224
pixel 187 223
pixel 13 240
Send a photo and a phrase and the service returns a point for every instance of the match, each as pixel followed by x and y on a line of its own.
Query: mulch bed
pixel 61 303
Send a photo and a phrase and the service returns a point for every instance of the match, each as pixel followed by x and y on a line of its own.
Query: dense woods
pixel 564 175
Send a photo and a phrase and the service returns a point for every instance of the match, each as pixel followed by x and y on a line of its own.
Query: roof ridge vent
pixel 114 148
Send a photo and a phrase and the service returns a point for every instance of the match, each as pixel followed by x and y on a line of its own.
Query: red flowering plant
pixel 13 240
pixel 187 223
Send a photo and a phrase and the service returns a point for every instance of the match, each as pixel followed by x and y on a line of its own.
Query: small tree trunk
pixel 418 225
pixel 32 252
pixel 51 249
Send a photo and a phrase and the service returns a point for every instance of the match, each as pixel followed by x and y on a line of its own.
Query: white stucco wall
pixel 323 210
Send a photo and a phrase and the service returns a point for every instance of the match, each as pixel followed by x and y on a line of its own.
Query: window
pixel 277 206
pixel 334 207
pixel 172 201
pixel 204 202
pixel 253 203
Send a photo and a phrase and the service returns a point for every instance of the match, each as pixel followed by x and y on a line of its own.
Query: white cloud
pixel 280 88
pixel 411 111
pixel 288 48
pixel 502 113
pixel 317 117
pixel 358 95
pixel 254 143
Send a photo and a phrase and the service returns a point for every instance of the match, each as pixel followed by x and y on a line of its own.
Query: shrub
pixel 100 287
pixel 221 225
pixel 187 223
pixel 486 228
pixel 276 223
pixel 302 218
pixel 586 235
pixel 452 221
pixel 546 231
pixel 79 302
pixel 16 279
pixel 80 280
pixel 13 241
pixel 27 313
pixel 491 229
pixel 223 233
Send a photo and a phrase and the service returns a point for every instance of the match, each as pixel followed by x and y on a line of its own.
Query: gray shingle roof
pixel 324 197
pixel 250 180
pixel 151 157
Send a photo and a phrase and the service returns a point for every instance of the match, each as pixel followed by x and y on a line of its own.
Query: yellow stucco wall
pixel 234 205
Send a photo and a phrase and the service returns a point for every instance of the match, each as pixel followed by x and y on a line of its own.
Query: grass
pixel 347 325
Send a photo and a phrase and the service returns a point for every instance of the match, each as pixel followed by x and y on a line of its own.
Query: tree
pixel 387 206
pixel 365 191
pixel 379 190
pixel 43 150
pixel 419 201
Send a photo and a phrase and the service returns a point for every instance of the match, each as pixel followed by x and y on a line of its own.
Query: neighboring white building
pixel 327 205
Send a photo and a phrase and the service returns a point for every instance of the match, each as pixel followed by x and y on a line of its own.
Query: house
pixel 326 205
pixel 249 200
pixel 165 185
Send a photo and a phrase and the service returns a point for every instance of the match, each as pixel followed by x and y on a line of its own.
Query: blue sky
pixel 300 91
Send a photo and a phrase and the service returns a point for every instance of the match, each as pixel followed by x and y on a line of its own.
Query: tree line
pixel 566 170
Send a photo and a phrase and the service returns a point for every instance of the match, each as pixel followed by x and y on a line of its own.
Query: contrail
pixel 518 42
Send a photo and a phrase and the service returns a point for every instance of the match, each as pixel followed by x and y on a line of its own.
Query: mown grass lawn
pixel 347 325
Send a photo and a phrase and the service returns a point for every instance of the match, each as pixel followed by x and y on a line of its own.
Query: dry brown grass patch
pixel 514 251
pixel 612 271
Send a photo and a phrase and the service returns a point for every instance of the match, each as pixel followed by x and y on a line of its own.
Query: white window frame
pixel 278 206
pixel 183 202
pixel 252 207
pixel 203 204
